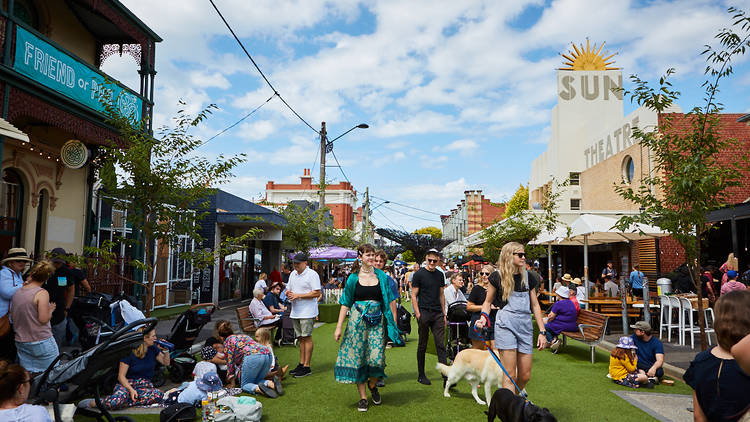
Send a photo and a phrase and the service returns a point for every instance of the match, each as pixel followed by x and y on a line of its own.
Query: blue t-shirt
pixel 25 412
pixel 271 300
pixel 394 286
pixel 647 351
pixel 192 394
pixel 565 317
pixel 636 280
pixel 141 368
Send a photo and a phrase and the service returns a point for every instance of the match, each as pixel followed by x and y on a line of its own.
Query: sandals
pixel 277 386
pixel 267 391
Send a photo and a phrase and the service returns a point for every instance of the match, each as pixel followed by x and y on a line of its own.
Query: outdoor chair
pixel 665 318
pixel 687 310
pixel 674 303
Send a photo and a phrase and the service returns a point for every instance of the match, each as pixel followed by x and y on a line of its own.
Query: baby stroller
pixel 87 372
pixel 98 316
pixel 458 328
pixel 185 330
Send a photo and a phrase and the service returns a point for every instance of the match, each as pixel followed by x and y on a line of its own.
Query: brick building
pixel 341 198
pixel 471 215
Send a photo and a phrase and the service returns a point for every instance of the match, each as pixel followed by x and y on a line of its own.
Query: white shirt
pixel 453 295
pixel 303 283
pixel 580 293
pixel 261 284
pixel 445 279
pixel 612 288
pixel 259 310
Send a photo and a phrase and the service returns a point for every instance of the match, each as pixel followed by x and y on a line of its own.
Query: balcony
pixel 54 50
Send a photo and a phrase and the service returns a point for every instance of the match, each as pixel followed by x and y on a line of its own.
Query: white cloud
pixel 209 80
pixel 257 130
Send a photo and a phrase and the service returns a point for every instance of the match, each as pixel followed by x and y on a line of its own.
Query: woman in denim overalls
pixel 513 325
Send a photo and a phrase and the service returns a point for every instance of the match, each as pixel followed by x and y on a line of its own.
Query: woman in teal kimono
pixel 361 358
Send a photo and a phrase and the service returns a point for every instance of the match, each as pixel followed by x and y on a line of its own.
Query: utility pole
pixel 322 199
pixel 366 214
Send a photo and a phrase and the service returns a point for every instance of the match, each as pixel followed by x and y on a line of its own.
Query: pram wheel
pixel 176 373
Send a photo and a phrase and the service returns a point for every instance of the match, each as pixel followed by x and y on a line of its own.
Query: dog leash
pixel 482 333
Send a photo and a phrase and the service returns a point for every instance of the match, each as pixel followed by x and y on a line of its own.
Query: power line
pixel 238 121
pixel 391 221
pixel 407 206
pixel 258 68
pixel 340 168
pixel 409 215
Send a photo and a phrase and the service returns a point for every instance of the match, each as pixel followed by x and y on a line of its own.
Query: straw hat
pixel 577 281
pixel 567 278
pixel 16 254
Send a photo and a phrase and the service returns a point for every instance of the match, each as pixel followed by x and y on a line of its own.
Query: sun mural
pixel 587 58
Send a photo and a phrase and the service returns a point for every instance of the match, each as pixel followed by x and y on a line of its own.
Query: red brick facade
pixel 671 253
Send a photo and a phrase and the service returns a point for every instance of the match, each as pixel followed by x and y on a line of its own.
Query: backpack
pixel 179 412
pixel 403 319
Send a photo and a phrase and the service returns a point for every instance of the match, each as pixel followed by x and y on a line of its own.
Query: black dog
pixel 512 408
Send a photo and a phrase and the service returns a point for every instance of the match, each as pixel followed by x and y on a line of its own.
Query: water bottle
pixel 206 411
pixel 165 344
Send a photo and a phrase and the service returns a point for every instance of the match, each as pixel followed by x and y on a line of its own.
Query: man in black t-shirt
pixel 82 287
pixel 61 288
pixel 428 301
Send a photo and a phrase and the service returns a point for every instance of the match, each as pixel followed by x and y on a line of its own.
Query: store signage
pixel 71 77
pixel 589 87
pixel 74 154
pixel 614 142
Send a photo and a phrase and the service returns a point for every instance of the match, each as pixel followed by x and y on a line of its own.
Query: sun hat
pixel 300 257
pixel 577 281
pixel 16 254
pixel 203 367
pixel 641 325
pixel 563 291
pixel 209 382
pixel 731 274
pixel 626 342
pixel 567 277
pixel 208 353
pixel 58 255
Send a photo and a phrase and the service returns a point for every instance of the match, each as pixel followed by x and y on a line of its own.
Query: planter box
pixel 329 312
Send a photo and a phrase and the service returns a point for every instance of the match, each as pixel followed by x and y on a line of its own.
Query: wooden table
pixel 693 298
pixel 605 305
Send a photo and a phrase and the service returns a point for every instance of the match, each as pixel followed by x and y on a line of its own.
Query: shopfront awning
pixel 7 129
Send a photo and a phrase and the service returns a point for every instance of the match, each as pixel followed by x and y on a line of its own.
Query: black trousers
pixel 431 320
pixel 8 346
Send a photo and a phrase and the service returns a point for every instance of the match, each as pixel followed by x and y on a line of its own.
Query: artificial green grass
pixel 567 383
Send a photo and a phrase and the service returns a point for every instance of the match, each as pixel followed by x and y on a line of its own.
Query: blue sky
pixel 457 94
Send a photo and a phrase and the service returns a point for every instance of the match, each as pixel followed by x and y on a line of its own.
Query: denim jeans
pixel 254 370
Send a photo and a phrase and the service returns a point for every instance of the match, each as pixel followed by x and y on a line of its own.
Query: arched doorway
pixel 11 210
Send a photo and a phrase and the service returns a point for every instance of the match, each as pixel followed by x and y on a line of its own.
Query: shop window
pixel 575 179
pixel 628 169
pixel 11 210
pixel 575 204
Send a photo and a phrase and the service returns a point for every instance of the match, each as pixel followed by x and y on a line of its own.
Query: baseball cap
pixel 58 255
pixel 731 274
pixel 641 325
pixel 300 257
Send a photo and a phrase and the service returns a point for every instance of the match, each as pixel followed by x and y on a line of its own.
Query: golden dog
pixel 477 367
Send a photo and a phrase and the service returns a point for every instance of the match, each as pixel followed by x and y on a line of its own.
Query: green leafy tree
pixel 408 256
pixel 518 203
pixel 523 225
pixel 160 181
pixel 430 230
pixel 307 228
pixel 690 179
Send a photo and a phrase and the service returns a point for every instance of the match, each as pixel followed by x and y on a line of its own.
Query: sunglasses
pixel 484 273
pixel 519 254
pixel 432 260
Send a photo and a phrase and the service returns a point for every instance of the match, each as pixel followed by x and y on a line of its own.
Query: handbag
pixel 5 325
pixel 179 412
pixel 239 409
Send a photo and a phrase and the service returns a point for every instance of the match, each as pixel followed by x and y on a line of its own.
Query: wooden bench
pixel 245 320
pixel 591 328
pixel 614 310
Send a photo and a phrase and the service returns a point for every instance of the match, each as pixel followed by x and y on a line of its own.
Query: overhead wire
pixel 409 215
pixel 237 122
pixel 391 221
pixel 258 68
pixel 407 206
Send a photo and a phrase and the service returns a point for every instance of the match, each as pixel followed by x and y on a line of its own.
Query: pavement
pixel 664 407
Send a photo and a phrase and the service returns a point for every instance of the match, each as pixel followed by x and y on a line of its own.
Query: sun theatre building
pixel 52 121
pixel 592 146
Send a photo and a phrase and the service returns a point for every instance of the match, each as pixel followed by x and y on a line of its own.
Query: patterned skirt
pixel 362 352
pixel 630 380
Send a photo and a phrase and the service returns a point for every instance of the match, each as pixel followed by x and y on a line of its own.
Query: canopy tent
pixel 592 229
pixel 332 252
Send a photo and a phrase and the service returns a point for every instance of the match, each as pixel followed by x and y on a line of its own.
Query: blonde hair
pixel 732 262
pixel 141 350
pixel 41 271
pixel 263 336
pixel 507 269
pixel 262 276
pixel 486 268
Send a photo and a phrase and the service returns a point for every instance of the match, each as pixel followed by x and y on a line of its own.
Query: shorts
pixel 514 331
pixel 303 327
pixel 37 356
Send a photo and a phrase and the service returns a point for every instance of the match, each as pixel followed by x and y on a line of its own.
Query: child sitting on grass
pixel 263 336
pixel 623 365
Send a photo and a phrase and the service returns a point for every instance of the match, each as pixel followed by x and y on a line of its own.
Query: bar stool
pixel 687 310
pixel 665 317
pixel 674 303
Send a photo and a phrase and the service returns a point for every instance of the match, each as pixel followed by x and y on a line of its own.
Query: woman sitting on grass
pixel 623 364
pixel 720 388
pixel 134 387
pixel 248 361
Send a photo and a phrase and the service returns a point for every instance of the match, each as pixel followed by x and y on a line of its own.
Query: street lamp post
pixel 326 147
